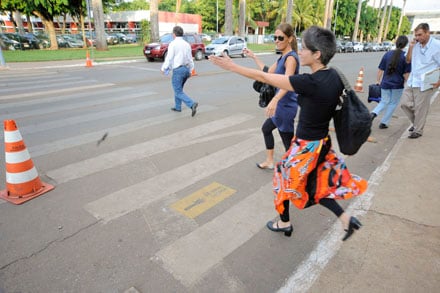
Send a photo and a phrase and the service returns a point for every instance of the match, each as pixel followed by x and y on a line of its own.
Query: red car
pixel 159 50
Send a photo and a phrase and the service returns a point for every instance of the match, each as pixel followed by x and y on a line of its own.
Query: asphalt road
pixel 166 202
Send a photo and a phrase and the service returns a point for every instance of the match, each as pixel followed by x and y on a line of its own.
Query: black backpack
pixel 352 120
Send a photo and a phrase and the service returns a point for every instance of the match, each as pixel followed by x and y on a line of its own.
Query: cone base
pixel 21 199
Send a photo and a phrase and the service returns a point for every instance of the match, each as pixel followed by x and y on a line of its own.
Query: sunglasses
pixel 280 38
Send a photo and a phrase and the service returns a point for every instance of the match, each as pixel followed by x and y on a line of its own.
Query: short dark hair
pixel 316 38
pixel 178 31
pixel 423 26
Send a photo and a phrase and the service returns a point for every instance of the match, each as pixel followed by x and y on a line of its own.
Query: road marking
pixel 136 196
pixel 191 256
pixel 74 120
pixel 80 105
pixel 142 150
pixel 58 145
pixel 202 200
pixel 57 91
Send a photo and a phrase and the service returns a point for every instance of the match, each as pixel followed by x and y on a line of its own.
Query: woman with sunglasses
pixel 281 111
pixel 310 171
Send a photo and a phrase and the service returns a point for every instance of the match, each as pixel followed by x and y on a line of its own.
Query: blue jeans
pixel 180 76
pixel 388 102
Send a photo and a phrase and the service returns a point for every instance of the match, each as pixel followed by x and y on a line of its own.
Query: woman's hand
pixel 223 61
pixel 249 53
pixel 271 108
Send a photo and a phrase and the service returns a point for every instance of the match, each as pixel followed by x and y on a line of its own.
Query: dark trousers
pixel 267 129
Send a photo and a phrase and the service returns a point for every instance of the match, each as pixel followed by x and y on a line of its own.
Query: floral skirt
pixel 310 171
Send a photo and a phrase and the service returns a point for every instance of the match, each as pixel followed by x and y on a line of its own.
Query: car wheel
pixel 199 55
pixel 11 48
pixel 225 52
pixel 150 59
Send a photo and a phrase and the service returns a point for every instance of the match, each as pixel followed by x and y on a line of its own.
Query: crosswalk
pixel 76 113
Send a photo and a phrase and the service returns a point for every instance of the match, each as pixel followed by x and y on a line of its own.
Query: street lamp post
pixel 217 19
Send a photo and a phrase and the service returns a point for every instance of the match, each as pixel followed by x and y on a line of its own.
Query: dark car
pixel 339 47
pixel 36 43
pixel 25 44
pixel 159 50
pixel 8 44
pixel 348 47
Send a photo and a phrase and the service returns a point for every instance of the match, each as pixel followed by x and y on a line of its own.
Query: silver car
pixel 230 45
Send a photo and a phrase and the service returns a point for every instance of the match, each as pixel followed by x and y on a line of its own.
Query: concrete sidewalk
pixel 398 248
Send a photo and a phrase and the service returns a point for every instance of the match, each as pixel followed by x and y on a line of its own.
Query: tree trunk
pixel 19 21
pixel 289 11
pixel 228 17
pixel 98 20
pixel 154 21
pixel 242 19
pixel 382 21
pixel 388 21
pixel 402 13
pixel 358 17
pixel 49 26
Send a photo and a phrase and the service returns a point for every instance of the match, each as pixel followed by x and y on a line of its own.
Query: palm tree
pixel 228 17
pixel 154 20
pixel 242 18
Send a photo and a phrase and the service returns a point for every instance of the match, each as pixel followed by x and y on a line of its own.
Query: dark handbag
pixel 374 93
pixel 267 92
pixel 352 120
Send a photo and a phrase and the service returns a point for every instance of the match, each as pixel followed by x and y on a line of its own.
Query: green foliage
pixel 145 31
pixel 134 5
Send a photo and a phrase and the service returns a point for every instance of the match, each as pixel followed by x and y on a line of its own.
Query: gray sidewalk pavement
pixel 398 248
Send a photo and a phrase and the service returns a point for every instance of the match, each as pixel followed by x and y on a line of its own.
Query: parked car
pixel 230 45
pixel 112 39
pixel 268 38
pixel 73 41
pixel 358 47
pixel 348 47
pixel 159 50
pixel 206 38
pixel 25 44
pixel 123 38
pixel 375 47
pixel 387 46
pixel 36 43
pixel 8 44
pixel 339 47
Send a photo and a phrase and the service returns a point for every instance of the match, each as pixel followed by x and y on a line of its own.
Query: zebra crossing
pixel 161 157
pixel 43 110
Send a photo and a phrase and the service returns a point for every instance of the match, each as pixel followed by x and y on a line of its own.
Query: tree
pixel 242 18
pixel 228 17
pixel 154 20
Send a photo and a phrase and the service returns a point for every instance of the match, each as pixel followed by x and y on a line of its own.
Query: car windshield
pixel 166 38
pixel 220 41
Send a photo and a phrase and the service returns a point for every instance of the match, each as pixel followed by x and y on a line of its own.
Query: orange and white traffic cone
pixel 22 180
pixel 193 72
pixel 88 60
pixel 359 81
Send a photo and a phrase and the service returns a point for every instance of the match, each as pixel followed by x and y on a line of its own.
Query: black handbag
pixel 267 92
pixel 352 120
pixel 374 93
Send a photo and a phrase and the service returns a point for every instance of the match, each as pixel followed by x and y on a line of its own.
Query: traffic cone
pixel 193 72
pixel 22 180
pixel 88 60
pixel 359 81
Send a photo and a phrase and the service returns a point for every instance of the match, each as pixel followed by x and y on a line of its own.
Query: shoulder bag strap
pixel 343 78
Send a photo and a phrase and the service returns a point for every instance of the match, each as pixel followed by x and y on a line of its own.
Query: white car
pixel 230 45
pixel 358 47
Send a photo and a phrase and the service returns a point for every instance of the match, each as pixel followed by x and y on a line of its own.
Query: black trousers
pixel 267 128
